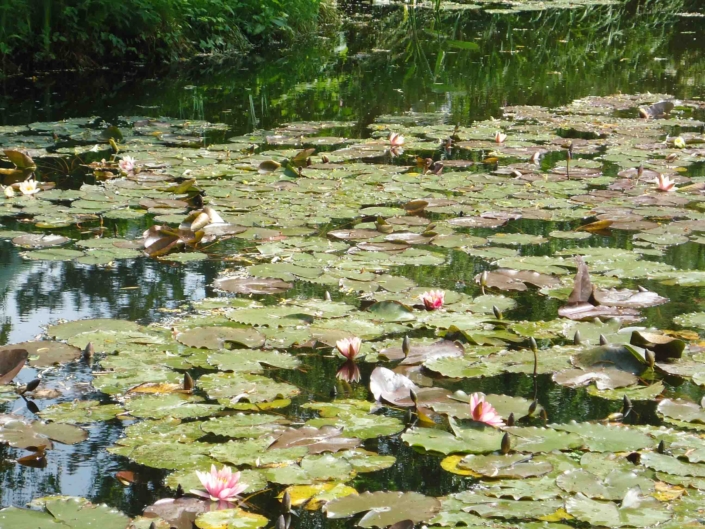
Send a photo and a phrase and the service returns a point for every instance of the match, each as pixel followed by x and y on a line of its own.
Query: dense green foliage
pixel 80 32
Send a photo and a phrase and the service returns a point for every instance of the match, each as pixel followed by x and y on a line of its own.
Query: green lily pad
pixel 71 512
pixel 613 487
pixel 505 466
pixel 221 337
pixel 81 412
pixel 233 388
pixel 252 361
pixel 637 513
pixel 230 519
pixel 607 438
pixel 176 405
pixel 384 508
pixel 64 331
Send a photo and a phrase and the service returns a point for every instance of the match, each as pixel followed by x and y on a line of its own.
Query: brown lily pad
pixel 317 440
pixel 12 360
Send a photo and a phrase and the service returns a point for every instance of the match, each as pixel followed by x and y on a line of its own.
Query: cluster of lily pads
pixel 353 218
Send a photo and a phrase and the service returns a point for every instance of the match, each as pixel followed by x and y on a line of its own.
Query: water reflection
pixel 35 294
pixel 465 64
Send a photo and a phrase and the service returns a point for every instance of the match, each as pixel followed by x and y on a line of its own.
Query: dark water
pixel 379 60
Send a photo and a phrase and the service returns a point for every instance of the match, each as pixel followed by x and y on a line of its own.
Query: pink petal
pixel 200 493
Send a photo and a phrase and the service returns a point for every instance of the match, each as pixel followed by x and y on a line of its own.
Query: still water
pixel 379 60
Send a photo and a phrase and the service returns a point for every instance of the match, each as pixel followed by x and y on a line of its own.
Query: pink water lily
pixel 483 411
pixel 499 137
pixel 127 164
pixel 349 347
pixel 220 485
pixel 665 184
pixel 433 299
pixel 396 140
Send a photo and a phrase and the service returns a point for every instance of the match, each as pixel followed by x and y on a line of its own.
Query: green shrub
pixel 82 32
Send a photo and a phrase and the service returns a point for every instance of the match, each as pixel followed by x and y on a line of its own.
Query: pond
pixel 222 225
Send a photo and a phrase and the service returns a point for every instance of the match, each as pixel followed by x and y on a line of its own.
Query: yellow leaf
pixel 667 492
pixel 596 226
pixel 560 514
pixel 314 496
pixel 450 464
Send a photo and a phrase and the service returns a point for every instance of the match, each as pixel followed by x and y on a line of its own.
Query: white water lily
pixel 8 191
pixel 29 187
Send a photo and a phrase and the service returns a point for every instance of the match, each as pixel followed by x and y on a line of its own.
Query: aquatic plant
pixel 127 164
pixel 349 347
pixel 220 485
pixel 433 299
pixel 483 411
pixel 396 140
pixel 28 187
pixel 664 183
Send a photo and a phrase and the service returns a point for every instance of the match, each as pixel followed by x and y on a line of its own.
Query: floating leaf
pixel 47 353
pixel 230 519
pixel 505 466
pixel 12 361
pixel 253 286
pixel 325 439
pixel 613 487
pixel 384 508
pixel 220 337
pixel 642 513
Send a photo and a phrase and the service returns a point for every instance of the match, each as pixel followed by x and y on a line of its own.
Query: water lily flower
pixel 349 347
pixel 433 299
pixel 127 164
pixel 679 142
pixel 29 187
pixel 665 184
pixel 9 192
pixel 483 411
pixel 220 485
pixel 349 372
pixel 499 137
pixel 396 140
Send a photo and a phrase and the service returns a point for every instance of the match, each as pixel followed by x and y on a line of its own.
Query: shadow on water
pixel 462 65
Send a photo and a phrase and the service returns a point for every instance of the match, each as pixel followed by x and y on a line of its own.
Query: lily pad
pixel 384 508
pixel 641 512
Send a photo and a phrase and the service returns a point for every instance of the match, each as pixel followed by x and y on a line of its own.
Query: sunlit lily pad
pixel 66 511
pixel 606 438
pixel 64 331
pixel 384 508
pixel 251 361
pixel 230 519
pixel 21 433
pixel 233 388
pixel 79 412
pixel 635 513
pixel 177 405
pixel 221 337
pixel 253 286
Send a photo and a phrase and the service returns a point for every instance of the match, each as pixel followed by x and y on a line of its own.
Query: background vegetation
pixel 61 33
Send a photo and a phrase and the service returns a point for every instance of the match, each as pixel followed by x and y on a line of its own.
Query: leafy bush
pixel 80 32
